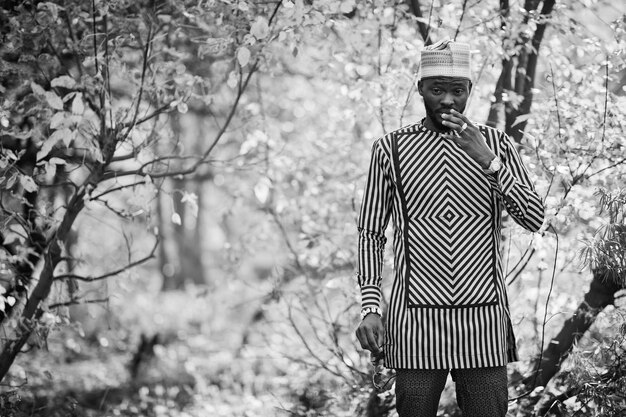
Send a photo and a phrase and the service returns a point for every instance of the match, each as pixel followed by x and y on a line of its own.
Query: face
pixel 441 94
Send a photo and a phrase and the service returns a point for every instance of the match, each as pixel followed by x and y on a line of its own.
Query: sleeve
pixel 515 189
pixel 373 220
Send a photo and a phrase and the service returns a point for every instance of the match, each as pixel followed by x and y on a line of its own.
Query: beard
pixel 435 115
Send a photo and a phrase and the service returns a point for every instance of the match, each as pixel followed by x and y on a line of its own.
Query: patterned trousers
pixel 480 392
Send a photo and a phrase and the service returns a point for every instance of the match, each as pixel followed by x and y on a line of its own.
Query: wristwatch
pixel 494 165
pixel 367 310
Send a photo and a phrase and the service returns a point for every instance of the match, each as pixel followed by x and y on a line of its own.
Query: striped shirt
pixel 448 306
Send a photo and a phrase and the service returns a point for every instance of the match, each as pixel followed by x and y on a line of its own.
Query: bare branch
pixel 112 174
pixel 93 28
pixel 111 190
pixel 620 162
pixel 458 29
pixel 78 301
pixel 142 83
pixel 131 264
pixel 283 232
pixel 424 28
pixel 160 110
pixel 322 363
pixel 520 266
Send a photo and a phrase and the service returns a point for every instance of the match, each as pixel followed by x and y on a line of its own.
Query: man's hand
pixel 468 137
pixel 370 333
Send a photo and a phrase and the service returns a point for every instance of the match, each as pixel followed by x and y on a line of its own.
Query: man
pixel 445 182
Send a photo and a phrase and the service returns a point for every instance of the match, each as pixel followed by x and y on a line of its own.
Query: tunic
pixel 448 306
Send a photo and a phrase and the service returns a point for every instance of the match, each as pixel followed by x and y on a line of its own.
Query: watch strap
pixel 368 310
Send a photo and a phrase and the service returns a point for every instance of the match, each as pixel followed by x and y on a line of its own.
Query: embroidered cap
pixel 446 59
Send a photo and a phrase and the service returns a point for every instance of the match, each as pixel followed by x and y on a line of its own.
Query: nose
pixel 447 100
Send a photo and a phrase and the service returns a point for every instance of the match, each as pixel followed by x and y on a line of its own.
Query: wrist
pixel 371 310
pixel 494 166
pixel 486 160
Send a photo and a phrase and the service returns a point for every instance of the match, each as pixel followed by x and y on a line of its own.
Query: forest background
pixel 181 180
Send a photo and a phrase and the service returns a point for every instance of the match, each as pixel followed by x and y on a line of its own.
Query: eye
pixel 436 90
pixel 459 91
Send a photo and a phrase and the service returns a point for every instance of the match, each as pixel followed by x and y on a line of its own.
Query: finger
pixel 455 124
pixel 366 340
pixel 361 338
pixel 372 337
pixel 463 119
pixel 453 121
pixel 455 127
pixel 380 339
pixel 460 116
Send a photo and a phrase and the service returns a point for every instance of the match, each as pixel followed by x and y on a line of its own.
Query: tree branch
pixel 77 302
pixel 424 28
pixel 144 69
pixel 128 266
pixel 461 19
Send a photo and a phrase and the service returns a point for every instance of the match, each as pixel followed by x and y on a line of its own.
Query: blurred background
pixel 181 181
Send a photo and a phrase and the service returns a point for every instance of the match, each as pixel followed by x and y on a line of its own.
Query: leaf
pixel 263 190
pixel 13 234
pixel 563 169
pixel 243 56
pixel 60 135
pixel 214 46
pixel 190 199
pixel 260 28
pixel 28 183
pixel 37 89
pixel 11 181
pixel 53 100
pixel 176 219
pixel 347 6
pixel 57 120
pixel 45 149
pixel 57 161
pixel 232 80
pixel 64 81
pixel 53 139
pixel 50 169
pixel 243 6
pixel 182 107
pixel 520 119
pixel 96 153
pixel 78 107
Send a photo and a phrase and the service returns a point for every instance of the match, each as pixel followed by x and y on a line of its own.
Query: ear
pixel 420 87
pixel 469 87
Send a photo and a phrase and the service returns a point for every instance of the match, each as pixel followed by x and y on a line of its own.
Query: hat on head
pixel 446 58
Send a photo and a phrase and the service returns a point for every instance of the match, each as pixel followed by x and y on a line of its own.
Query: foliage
pixel 606 253
pixel 272 108
pixel 86 87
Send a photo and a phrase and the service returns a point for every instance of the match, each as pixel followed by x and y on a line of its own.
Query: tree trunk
pixel 164 260
pixel 519 71
pixel 600 295
pixel 424 28
pixel 187 241
pixel 181 253
pixel 32 309
pixel 496 111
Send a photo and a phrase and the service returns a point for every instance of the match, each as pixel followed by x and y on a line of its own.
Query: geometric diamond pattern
pixel 447 203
